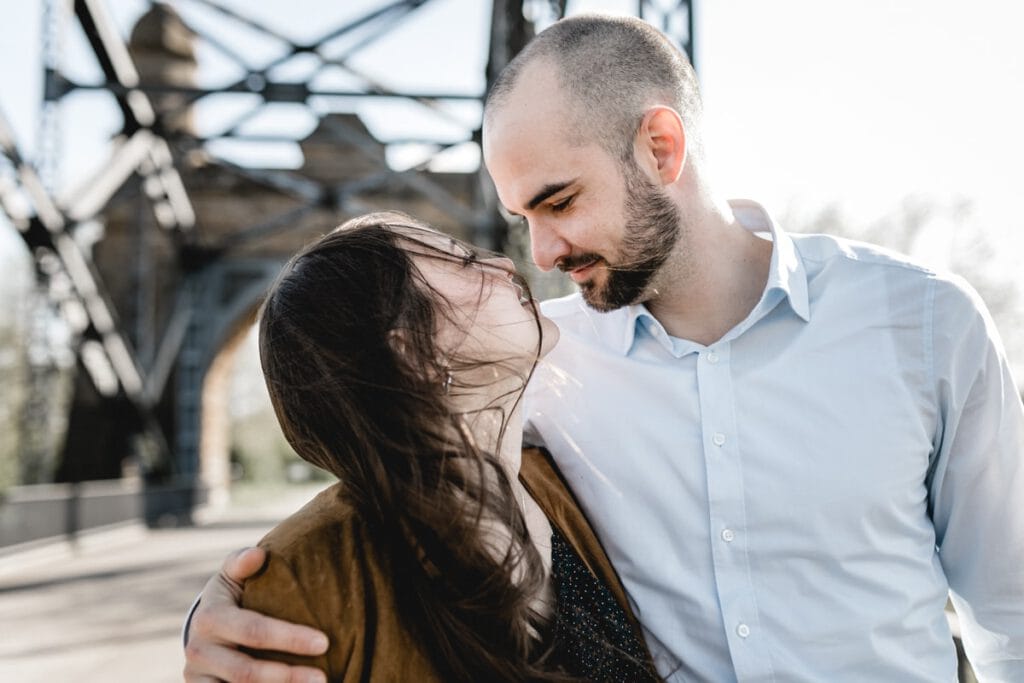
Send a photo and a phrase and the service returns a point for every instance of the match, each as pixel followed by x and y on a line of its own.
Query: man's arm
pixel 218 627
pixel 977 484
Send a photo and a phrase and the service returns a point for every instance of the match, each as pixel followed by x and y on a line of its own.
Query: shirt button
pixel 712 357
pixel 728 535
pixel 718 439
pixel 743 630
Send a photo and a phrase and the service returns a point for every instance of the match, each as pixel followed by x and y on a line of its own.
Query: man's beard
pixel 652 230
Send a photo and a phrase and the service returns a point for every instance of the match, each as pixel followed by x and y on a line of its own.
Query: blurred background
pixel 160 161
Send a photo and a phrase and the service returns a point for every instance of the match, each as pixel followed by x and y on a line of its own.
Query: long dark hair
pixel 349 350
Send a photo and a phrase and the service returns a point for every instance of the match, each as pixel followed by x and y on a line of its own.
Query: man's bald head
pixel 610 71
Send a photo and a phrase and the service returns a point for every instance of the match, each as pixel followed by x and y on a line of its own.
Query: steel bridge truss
pixel 148 150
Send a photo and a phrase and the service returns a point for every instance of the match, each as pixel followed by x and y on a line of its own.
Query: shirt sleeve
pixel 188 620
pixel 976 486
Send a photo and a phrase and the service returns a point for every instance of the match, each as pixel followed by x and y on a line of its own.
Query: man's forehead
pixel 530 169
pixel 535 94
pixel 539 76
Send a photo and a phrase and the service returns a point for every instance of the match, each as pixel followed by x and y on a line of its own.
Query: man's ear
pixel 661 142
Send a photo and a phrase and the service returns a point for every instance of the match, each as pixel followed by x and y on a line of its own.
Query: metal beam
pixel 270 91
pixel 41 223
pixel 119 69
pixel 91 196
pixel 675 18
pixel 148 149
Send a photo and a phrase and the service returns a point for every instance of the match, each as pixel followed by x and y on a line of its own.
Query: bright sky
pixel 807 102
pixel 867 101
pixel 862 101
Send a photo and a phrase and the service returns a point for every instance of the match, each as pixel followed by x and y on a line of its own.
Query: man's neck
pixel 714 281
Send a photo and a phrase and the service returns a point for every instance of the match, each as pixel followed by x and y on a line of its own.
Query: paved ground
pixel 111 607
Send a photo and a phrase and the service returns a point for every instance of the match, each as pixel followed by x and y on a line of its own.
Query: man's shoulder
pixel 820 249
pixel 904 275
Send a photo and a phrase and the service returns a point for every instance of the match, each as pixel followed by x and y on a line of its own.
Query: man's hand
pixel 219 626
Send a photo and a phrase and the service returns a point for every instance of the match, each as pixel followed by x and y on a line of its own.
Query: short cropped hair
pixel 612 69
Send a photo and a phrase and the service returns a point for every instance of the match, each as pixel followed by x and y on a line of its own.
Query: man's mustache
pixel 573 262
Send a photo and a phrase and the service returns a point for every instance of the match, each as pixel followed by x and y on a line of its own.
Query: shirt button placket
pixel 724 463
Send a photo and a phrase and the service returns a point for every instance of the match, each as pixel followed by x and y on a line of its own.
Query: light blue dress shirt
pixel 796 501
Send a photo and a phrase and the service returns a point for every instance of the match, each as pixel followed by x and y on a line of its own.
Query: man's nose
pixel 546 246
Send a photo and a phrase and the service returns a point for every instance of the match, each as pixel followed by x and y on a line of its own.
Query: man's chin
pixel 605 297
pixel 596 297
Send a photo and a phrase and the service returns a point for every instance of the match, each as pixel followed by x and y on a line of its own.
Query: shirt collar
pixel 786 273
pixel 787 278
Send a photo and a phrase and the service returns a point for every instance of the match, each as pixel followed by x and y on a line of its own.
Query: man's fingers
pixel 226 664
pixel 266 633
pixel 219 626
pixel 224 589
pixel 242 564
pixel 230 624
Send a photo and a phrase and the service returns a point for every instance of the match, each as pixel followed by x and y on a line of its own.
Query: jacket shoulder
pixel 323 570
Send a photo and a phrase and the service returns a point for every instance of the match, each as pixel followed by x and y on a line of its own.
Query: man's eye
pixel 561 205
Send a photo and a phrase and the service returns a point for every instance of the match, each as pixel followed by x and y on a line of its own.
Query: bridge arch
pixel 225 299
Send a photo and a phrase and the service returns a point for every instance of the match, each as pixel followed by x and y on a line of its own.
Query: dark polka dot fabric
pixel 592 634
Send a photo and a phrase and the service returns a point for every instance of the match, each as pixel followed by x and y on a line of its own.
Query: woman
pixel 396 359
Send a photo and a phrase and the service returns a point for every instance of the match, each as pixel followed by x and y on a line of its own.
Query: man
pixel 793 448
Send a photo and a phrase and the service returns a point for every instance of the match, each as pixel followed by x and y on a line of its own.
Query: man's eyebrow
pixel 547 191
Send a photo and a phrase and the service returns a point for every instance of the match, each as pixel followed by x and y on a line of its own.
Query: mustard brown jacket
pixel 322 571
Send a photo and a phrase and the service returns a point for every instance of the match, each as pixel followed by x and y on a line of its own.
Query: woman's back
pixel 324 570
